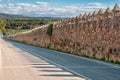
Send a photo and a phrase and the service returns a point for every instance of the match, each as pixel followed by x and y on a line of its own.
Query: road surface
pixel 17 64
pixel 73 67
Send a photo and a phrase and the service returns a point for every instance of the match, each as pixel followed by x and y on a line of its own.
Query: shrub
pixel 50 30
pixel 48 46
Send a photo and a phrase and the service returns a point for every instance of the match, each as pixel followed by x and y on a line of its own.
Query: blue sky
pixel 54 8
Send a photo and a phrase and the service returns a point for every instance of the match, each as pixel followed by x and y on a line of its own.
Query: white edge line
pixel 60 66
pixel 80 57
pixel 97 61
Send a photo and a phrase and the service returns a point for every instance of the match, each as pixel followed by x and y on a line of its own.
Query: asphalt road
pixel 80 66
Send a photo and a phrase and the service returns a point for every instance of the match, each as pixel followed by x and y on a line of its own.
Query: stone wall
pixel 95 35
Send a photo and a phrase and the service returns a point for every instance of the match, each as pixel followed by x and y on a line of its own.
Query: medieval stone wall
pixel 95 35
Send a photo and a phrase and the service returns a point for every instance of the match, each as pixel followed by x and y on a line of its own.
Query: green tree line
pixel 12 26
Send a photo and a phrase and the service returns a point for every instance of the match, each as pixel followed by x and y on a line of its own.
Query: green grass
pixel 13 31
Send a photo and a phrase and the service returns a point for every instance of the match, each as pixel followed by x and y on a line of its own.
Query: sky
pixel 54 8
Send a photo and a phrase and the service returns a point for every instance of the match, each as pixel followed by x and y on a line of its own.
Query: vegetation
pixel 13 31
pixel 26 24
pixel 49 33
pixel 17 23
pixel 50 29
pixel 2 27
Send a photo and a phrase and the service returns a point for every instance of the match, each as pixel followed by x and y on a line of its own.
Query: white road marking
pixel 58 65
pixel 93 60
pixel 92 67
pixel 67 68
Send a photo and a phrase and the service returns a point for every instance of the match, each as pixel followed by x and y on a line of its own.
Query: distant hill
pixel 11 16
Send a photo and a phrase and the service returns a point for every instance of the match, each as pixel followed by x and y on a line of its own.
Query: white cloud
pixel 42 3
pixel 1 6
pixel 45 9
pixel 97 4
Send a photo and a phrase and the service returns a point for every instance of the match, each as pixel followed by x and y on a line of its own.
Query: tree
pixel 49 33
pixel 2 27
pixel 50 29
